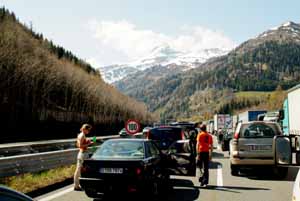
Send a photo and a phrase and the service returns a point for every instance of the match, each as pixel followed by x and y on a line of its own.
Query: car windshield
pixel 120 150
pixel 258 131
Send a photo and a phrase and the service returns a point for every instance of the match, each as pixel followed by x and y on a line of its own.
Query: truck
pixel 250 115
pixel 222 121
pixel 291 108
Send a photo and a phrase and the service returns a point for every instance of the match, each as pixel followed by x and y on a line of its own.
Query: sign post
pixel 132 126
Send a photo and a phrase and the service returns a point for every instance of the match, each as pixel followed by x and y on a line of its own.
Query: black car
pixel 8 194
pixel 124 165
pixel 165 136
pixel 178 149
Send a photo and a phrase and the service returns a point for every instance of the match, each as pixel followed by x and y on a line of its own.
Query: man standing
pixel 82 143
pixel 204 151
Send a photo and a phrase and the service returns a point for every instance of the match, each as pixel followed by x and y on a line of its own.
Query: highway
pixel 249 186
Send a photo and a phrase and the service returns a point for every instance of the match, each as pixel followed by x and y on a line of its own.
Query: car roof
pixel 130 139
pixel 16 193
pixel 261 122
pixel 162 127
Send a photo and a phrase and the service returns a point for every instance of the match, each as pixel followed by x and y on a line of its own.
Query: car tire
pixel 91 193
pixel 234 170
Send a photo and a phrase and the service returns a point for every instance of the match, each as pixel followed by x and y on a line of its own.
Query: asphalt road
pixel 250 186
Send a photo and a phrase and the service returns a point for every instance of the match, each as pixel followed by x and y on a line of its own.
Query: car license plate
pixel 111 170
pixel 260 147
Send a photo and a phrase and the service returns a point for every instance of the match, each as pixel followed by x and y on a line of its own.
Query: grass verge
pixel 33 181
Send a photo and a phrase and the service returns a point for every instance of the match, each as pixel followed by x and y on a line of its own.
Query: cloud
pixel 129 43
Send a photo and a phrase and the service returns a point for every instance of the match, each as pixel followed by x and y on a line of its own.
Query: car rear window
pixel 170 134
pixel 120 150
pixel 258 131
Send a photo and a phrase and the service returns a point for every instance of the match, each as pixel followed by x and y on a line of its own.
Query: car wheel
pixel 92 193
pixel 234 170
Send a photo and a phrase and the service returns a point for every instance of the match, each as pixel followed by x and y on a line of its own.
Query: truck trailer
pixel 250 115
pixel 291 108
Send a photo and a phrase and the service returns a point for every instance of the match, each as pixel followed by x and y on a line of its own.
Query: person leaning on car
pixel 82 143
pixel 204 151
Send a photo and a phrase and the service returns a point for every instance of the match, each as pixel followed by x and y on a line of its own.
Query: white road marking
pixel 219 176
pixel 51 197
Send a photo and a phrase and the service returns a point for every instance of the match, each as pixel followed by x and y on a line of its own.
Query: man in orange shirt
pixel 204 151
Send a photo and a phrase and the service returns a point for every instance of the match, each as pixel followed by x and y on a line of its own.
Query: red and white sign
pixel 132 126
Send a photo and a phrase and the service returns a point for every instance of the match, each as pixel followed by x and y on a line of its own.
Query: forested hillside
pixel 47 92
pixel 261 64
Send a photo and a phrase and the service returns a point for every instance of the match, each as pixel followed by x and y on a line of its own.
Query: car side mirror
pixel 283 150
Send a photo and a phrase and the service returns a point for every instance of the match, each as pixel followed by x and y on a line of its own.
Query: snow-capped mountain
pixel 290 28
pixel 164 56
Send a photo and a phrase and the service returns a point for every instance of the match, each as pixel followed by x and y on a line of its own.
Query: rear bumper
pixel 102 186
pixel 251 161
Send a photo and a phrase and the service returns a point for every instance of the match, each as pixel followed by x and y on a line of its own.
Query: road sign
pixel 132 126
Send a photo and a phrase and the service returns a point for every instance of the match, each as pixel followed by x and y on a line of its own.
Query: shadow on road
pixel 232 189
pixel 181 183
pixel 268 174
pixel 182 190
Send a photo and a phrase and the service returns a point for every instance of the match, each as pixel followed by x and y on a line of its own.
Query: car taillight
pixel 84 169
pixel 236 136
pixel 138 171
pixel 182 135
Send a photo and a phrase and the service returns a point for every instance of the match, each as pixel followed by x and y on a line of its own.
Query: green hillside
pixel 260 64
pixel 46 89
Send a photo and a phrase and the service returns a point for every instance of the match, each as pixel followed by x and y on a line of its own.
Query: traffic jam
pixel 143 161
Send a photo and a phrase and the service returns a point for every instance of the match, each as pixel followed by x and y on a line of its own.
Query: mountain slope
pixel 48 92
pixel 163 56
pixel 259 64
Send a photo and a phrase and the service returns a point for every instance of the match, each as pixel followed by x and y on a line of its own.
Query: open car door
pixel 287 150
pixel 181 158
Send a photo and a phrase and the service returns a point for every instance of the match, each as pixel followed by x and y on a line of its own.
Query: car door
pixel 153 157
pixel 181 159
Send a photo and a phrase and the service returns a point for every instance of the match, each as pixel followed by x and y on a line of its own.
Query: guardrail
pixel 35 162
pixel 22 148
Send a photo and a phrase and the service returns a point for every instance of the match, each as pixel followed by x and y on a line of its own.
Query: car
pixel 164 136
pixel 252 146
pixel 189 129
pixel 125 165
pixel 145 131
pixel 123 133
pixel 178 148
pixel 225 141
pixel 8 194
pixel 296 188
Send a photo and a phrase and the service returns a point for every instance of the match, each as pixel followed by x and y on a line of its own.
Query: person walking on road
pixel 204 152
pixel 82 143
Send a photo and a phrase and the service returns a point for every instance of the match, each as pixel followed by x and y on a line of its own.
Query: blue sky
pixel 119 31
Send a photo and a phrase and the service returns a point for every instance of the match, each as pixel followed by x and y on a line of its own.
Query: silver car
pixel 252 145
